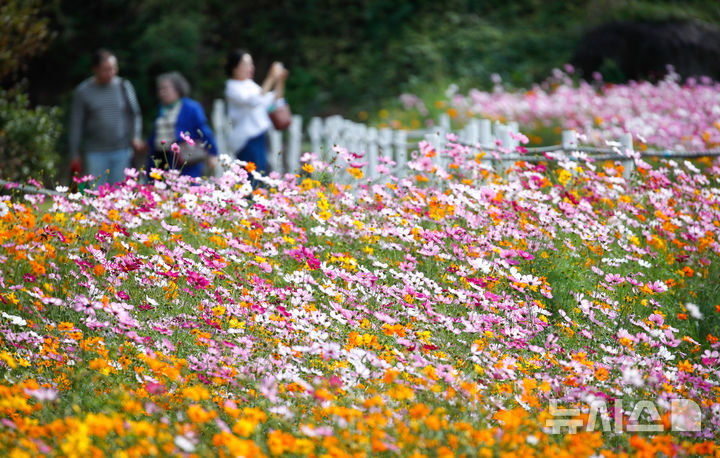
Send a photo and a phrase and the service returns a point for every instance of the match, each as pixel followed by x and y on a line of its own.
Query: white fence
pixel 285 148
pixel 321 135
pixel 481 134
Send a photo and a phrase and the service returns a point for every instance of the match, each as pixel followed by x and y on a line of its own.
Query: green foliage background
pixel 344 55
pixel 28 135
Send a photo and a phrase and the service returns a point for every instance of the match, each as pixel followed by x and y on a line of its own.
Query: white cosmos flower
pixel 184 444
pixel 694 311
pixel 665 353
pixel 632 376
pixel 14 319
pixel 481 265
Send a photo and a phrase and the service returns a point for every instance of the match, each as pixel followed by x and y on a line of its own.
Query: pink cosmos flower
pixel 186 136
pixel 657 319
pixel 614 279
pixel 320 431
pixel 657 286
pixel 154 388
pixel 169 227
pixel 43 394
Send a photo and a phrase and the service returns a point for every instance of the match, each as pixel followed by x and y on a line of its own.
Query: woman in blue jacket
pixel 180 117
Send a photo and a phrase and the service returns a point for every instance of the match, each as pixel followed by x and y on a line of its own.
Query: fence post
pixel 486 138
pixel 347 135
pixel 513 127
pixel 502 133
pixel 444 122
pixel 221 128
pixel 439 140
pixel 360 139
pixel 435 140
pixel 315 129
pixel 626 142
pixel 385 136
pixel 569 140
pixel 292 158
pixel 333 124
pixel 473 132
pixel 276 150
pixel 401 148
pixel 372 152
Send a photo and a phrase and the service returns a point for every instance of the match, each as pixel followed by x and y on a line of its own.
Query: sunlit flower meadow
pixel 674 114
pixel 441 314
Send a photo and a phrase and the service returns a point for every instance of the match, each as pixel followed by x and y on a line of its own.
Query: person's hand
pixel 139 146
pixel 276 69
pixel 284 74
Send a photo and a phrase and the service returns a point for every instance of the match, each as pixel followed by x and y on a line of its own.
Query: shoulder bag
pixel 281 116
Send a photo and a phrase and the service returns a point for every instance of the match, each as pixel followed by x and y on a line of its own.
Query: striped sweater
pixel 101 120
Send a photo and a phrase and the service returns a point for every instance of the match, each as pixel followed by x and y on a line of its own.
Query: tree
pixel 28 136
pixel 25 34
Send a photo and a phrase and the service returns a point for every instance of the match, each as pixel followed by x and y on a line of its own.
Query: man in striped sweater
pixel 106 121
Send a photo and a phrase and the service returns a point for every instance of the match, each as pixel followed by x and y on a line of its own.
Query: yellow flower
pixel 564 176
pixel 433 422
pixel 199 415
pixel 196 393
pixel 77 443
pixel 278 442
pixel 307 184
pixel 356 173
pixel 308 167
pixel 244 427
pixel 99 425
pixel 685 366
pixel 419 411
pixel 255 414
pixel 5 356
pixel 304 446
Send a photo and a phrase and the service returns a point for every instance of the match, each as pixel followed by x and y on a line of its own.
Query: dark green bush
pixel 28 138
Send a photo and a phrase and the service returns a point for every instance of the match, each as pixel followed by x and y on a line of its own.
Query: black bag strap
pixel 128 109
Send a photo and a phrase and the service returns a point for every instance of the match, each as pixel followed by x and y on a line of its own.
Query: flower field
pixel 672 114
pixel 445 314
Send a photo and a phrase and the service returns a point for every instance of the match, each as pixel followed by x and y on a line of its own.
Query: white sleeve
pixel 237 96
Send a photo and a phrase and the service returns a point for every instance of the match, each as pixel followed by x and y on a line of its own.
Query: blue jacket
pixel 192 120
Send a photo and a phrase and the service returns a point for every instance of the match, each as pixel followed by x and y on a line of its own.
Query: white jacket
pixel 247 111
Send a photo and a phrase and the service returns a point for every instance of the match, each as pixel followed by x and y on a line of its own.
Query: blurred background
pixel 348 57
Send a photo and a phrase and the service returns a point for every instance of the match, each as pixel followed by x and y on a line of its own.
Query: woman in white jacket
pixel 248 106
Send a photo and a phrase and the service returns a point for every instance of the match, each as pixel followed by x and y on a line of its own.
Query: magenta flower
pixel 186 137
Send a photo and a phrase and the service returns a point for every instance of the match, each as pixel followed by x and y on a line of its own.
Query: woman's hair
pixel 178 81
pixel 233 59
